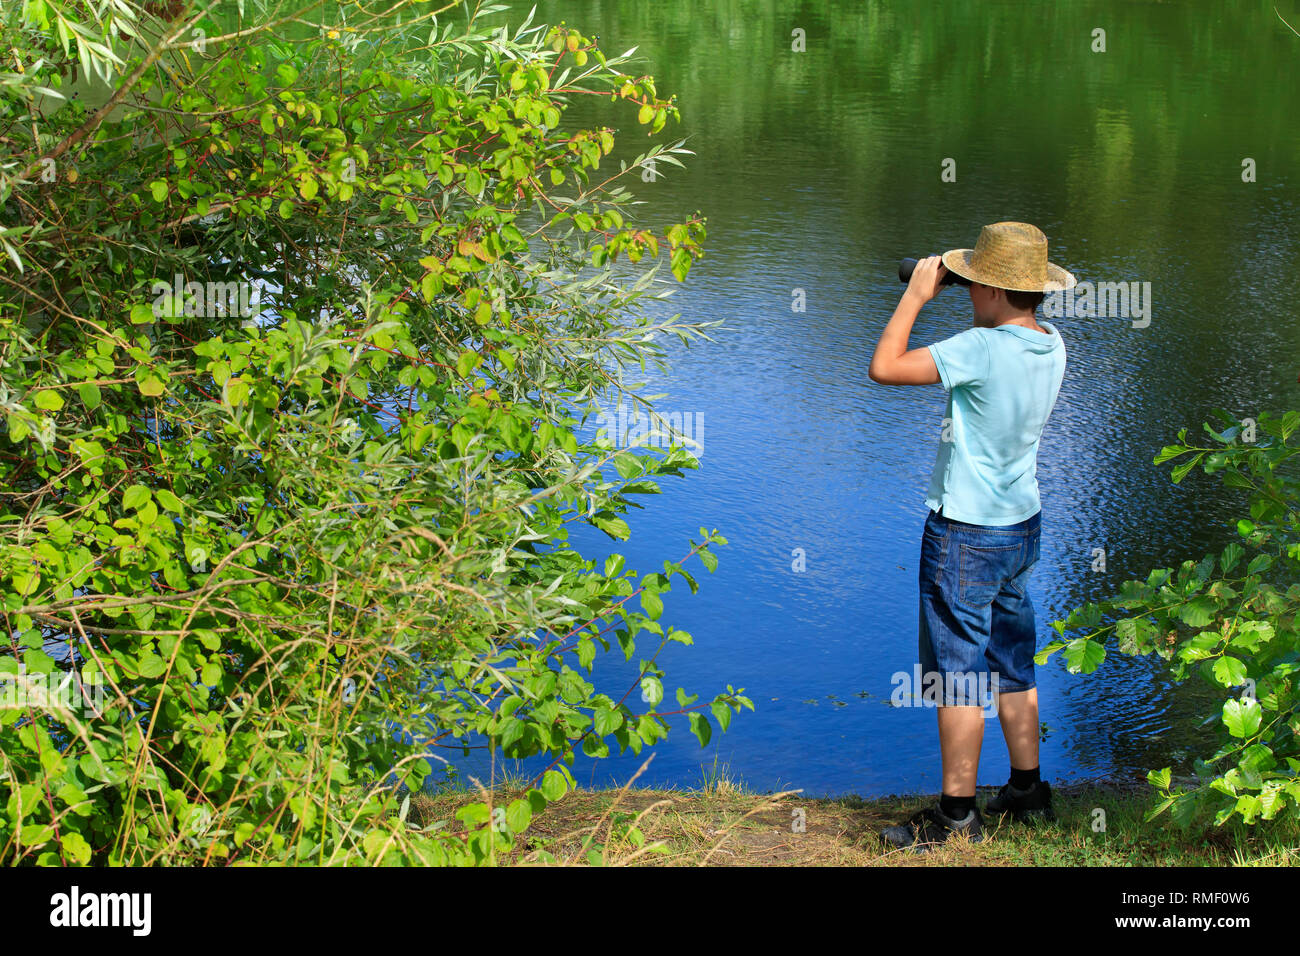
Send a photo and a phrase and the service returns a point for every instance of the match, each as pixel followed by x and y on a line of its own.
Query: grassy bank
pixel 724 824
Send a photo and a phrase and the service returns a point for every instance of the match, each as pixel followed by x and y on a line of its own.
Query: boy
pixel 982 532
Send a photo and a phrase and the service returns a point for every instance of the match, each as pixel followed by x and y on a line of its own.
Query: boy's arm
pixel 893 363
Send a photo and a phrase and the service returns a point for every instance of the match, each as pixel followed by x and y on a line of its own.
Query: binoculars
pixel 907 265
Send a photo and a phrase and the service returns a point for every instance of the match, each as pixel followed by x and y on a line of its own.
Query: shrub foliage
pixel 256 567
pixel 1229 618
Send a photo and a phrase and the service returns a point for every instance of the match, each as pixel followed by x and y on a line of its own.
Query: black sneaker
pixel 1032 804
pixel 932 826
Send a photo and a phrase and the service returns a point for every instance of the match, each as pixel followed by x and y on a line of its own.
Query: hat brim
pixel 958 261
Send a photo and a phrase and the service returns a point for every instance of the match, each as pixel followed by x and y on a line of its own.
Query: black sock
pixel 1024 779
pixel 956 807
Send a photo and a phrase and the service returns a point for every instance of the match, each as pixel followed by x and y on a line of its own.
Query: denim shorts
pixel 977 631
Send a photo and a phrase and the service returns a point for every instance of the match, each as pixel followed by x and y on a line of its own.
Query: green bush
pixel 300 551
pixel 1230 618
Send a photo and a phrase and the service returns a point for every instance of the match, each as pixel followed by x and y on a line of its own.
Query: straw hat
pixel 1009 255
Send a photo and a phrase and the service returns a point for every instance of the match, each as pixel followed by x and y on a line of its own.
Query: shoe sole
pixel 1025 816
pixel 925 846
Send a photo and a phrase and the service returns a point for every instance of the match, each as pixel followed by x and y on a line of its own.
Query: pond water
pixel 817 171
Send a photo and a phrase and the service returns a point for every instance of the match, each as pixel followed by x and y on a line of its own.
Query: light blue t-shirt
pixel 1002 384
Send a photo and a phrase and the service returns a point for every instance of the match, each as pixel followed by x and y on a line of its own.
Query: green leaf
pixel 135 497
pixel 75 798
pixel 1083 655
pixel 472 815
pixel 721 713
pixel 1180 471
pixel 628 464
pixel 430 285
pixel 652 690
pixel 236 391
pixel 616 528
pixel 1230 672
pixel 168 500
pixel 151 665
pixel 701 727
pixel 49 400
pixel 1133 635
pixel 553 785
pixel 90 395
pixel 1183 812
pixel 36 834
pixel 1261 562
pixel 149 382
pixel 467 362
pixel 1242 718
pixel 681 263
pixel 652 604
pixel 518 815
pixel 159 190
pixel 586 652
pixel 1230 556
pixel 512 730
pixel 1250 634
pixel 607 720
pixel 1198 612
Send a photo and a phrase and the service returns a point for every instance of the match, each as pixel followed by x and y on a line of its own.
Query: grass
pixel 723 823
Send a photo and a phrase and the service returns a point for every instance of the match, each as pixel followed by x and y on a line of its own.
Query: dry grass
pixel 722 825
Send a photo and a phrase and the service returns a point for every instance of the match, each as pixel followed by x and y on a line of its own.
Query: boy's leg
pixel 1010 657
pixel 961 732
pixel 954 636
pixel 952 640
pixel 1018 714
pixel 1026 794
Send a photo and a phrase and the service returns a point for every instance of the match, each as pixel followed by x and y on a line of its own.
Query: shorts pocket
pixel 983 570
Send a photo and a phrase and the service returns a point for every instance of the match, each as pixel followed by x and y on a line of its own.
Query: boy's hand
pixel 893 363
pixel 924 284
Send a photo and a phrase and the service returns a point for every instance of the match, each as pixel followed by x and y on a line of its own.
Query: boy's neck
pixel 1024 319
